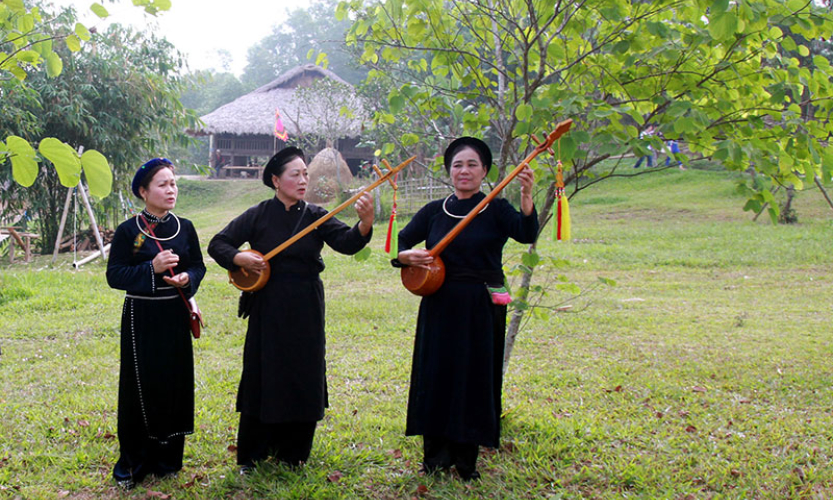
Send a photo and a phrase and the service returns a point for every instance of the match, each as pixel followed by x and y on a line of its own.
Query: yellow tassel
pixel 565 219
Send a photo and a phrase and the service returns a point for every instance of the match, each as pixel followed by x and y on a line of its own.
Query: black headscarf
pixel 277 162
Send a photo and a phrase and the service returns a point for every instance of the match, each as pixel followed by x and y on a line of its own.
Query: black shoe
pixel 470 476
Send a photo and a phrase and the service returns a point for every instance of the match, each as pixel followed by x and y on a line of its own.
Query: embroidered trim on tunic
pixel 139 380
pixel 142 297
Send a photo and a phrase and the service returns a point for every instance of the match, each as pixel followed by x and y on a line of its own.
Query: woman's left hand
pixel 180 280
pixel 365 211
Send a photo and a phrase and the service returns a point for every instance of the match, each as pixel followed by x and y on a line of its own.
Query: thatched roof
pixel 254 113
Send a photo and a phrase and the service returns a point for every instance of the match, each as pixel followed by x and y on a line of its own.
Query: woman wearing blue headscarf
pixel 153 257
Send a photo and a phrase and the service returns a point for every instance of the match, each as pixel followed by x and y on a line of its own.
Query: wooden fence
pixel 416 192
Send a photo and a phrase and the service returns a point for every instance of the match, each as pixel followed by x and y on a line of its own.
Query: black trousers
pixel 140 456
pixel 442 453
pixel 288 442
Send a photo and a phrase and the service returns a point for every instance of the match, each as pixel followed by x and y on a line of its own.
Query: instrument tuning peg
pixel 550 151
pixel 387 165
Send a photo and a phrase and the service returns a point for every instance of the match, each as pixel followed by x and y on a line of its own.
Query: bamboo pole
pixel 83 190
pixel 61 226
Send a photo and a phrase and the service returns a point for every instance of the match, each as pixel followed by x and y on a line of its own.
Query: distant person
pixel 156 376
pixel 645 135
pixel 674 148
pixel 218 162
pixel 283 388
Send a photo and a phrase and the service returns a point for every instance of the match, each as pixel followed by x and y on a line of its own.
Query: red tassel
pixel 558 220
pixel 390 230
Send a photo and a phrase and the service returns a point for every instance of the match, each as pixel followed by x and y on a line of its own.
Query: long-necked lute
pixel 425 280
pixel 252 282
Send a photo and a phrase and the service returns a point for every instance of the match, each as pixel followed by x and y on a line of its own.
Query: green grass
pixel 705 373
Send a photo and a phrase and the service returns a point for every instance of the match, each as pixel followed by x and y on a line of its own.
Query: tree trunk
pixel 522 292
pixel 824 192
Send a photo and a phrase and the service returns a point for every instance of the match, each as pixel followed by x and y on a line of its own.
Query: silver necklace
pixel 178 227
pixel 445 209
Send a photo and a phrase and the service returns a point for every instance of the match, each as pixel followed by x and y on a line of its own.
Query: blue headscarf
pixel 144 170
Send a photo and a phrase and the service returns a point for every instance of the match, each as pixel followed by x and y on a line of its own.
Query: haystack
pixel 326 171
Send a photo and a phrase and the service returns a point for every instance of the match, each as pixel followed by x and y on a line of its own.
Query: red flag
pixel 280 131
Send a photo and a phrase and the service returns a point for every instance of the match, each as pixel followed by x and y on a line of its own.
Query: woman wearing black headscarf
pixel 283 389
pixel 156 379
pixel 455 395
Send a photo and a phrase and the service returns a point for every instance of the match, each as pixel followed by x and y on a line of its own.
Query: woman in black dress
pixel 156 378
pixel 455 395
pixel 283 388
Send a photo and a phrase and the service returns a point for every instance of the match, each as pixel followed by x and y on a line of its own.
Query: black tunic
pixel 156 378
pixel 456 375
pixel 284 376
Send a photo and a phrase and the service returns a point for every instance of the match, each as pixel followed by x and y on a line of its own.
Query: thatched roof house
pixel 309 99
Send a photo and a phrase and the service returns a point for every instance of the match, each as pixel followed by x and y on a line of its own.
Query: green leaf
pixel 396 102
pixel 530 260
pixel 26 24
pixel 409 139
pixel 492 175
pixel 621 47
pixel 362 254
pixel 98 174
pixel 18 72
pixel 54 65
pixel 723 26
pixel 73 43
pixel 607 281
pixel 24 165
pixel 82 31
pixel 774 212
pixel 29 56
pixel 523 112
pixel 64 158
pixel 163 4
pixel 15 6
pixel 99 10
pixel 719 6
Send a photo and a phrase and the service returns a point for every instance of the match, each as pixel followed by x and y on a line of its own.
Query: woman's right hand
pixel 164 260
pixel 250 261
pixel 416 257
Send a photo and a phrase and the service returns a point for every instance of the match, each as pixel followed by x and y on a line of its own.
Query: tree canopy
pixel 28 36
pixel 303 34
pixel 726 78
pixel 121 97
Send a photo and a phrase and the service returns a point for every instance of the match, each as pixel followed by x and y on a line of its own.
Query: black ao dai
pixel 456 376
pixel 156 379
pixel 284 373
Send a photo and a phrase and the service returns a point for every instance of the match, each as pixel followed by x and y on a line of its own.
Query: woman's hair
pixel 277 163
pixel 146 172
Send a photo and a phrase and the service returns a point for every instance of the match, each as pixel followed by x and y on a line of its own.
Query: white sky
pixel 199 28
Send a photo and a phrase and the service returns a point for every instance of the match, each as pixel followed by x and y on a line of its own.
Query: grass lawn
pixel 704 373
